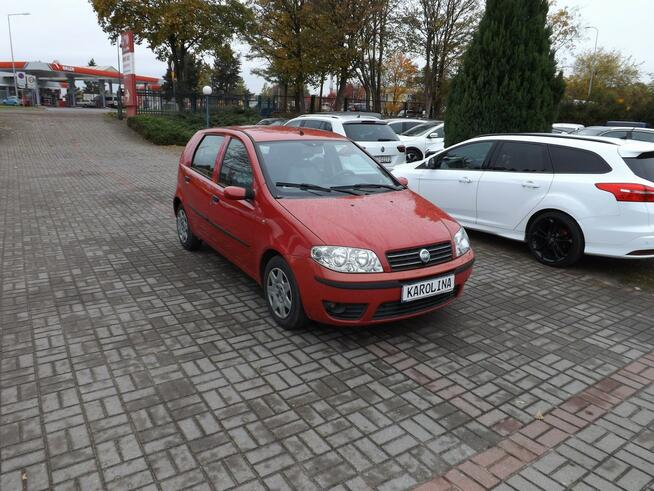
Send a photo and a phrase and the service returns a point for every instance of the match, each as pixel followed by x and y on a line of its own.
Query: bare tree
pixel 439 31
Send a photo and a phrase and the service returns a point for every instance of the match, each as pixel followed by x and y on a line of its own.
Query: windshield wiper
pixel 362 185
pixel 311 187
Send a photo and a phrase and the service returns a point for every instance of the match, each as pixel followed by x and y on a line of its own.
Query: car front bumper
pixel 365 299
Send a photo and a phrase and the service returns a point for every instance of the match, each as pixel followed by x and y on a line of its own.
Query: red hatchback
pixel 329 233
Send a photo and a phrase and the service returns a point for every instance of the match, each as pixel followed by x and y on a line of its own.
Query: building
pixel 56 83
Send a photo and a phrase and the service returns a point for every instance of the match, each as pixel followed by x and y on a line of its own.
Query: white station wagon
pixel 564 195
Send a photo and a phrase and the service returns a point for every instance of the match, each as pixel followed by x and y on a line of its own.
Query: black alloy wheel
pixel 555 239
pixel 413 155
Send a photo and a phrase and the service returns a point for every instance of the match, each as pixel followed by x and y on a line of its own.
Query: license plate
pixel 427 288
pixel 383 159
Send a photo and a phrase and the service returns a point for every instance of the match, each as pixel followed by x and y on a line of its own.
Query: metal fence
pixel 158 102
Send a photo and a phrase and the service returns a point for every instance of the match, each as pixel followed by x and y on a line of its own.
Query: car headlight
pixel 346 259
pixel 461 243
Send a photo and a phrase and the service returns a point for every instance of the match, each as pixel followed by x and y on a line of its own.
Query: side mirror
pixel 403 181
pixel 238 193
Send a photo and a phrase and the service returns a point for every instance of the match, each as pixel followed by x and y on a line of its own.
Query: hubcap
pixel 182 226
pixel 280 297
pixel 551 240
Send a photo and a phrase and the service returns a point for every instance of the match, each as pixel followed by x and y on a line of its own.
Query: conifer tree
pixel 507 81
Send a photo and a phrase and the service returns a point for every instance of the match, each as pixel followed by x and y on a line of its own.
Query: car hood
pixel 380 222
pixel 405 138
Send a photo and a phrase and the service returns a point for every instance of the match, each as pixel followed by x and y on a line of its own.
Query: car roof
pixel 260 133
pixel 343 117
pixel 410 120
pixel 626 148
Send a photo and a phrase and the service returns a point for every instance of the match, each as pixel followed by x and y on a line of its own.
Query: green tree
pixel 178 31
pixel 225 73
pixel 508 80
pixel 91 86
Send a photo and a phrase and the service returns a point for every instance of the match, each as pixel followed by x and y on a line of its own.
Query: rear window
pixel 590 131
pixel 369 132
pixel 642 166
pixel 567 160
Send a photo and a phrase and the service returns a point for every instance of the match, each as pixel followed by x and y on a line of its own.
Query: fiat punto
pixel 329 233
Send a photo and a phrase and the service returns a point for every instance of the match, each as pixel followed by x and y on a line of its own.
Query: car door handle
pixel 215 199
pixel 465 180
pixel 530 185
pixel 187 179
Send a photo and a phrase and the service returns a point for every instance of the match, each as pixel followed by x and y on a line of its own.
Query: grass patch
pixel 177 129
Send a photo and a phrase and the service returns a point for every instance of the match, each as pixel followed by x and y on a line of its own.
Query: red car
pixel 330 234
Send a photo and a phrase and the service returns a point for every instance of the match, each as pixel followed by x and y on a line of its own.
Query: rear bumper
pixel 629 235
pixel 364 299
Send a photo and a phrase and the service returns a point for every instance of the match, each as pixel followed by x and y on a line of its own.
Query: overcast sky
pixel 67 31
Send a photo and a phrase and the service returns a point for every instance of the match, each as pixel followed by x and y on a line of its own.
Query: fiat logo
pixel 425 256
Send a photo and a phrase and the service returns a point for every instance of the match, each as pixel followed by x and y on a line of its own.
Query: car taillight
pixel 629 192
pixel 401 148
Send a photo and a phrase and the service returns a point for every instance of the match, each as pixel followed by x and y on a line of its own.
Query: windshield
pixel 642 166
pixel 321 168
pixel 422 128
pixel 590 131
pixel 369 132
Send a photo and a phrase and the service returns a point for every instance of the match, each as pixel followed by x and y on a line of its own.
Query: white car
pixel 370 133
pixel 429 136
pixel 563 128
pixel 624 133
pixel 564 195
pixel 400 125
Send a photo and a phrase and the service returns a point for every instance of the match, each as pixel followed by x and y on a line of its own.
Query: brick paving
pixel 129 363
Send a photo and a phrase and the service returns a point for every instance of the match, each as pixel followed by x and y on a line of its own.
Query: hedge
pixel 177 129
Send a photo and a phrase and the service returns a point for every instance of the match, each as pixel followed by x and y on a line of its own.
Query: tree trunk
pixel 342 86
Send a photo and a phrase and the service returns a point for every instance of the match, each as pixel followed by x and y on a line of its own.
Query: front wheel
pixel 555 239
pixel 282 295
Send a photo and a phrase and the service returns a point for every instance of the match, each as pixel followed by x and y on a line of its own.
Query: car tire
pixel 282 295
pixel 184 233
pixel 413 155
pixel 555 239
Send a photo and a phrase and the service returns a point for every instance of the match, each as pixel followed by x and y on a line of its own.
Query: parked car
pixel 430 134
pixel 564 195
pixel 12 100
pixel 401 125
pixel 564 128
pixel 307 214
pixel 641 134
pixel 372 134
pixel 272 122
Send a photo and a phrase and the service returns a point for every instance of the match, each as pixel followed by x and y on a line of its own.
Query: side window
pixel 568 160
pixel 294 124
pixel 326 125
pixel 206 153
pixel 521 157
pixel 643 136
pixel 465 157
pixel 236 169
pixel 311 123
pixel 622 134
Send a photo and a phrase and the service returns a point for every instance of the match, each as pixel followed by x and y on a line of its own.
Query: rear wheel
pixel 555 239
pixel 184 233
pixel 282 295
pixel 413 155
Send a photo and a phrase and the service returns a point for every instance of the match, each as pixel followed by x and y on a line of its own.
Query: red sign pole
pixel 129 75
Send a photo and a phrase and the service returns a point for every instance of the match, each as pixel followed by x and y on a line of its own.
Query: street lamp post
pixel 206 90
pixel 592 70
pixel 11 47
pixel 119 101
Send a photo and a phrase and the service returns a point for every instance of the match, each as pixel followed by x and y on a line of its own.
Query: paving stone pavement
pixel 129 363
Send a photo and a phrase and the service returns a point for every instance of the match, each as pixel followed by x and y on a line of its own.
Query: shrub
pixel 177 129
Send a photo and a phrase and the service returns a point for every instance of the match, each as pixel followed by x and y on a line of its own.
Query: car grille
pixel 410 258
pixel 394 309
